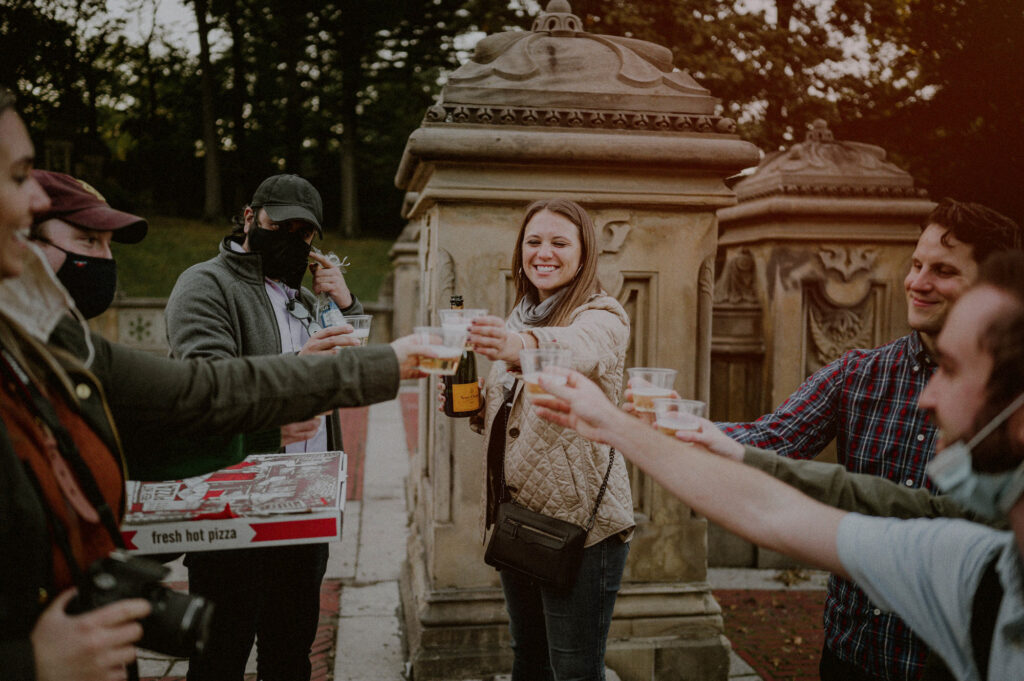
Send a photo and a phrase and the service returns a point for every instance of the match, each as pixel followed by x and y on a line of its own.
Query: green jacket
pixel 220 308
pixel 133 400
pixel 835 486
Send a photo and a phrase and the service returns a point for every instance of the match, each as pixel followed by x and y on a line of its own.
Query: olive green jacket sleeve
pixel 832 484
pixel 155 401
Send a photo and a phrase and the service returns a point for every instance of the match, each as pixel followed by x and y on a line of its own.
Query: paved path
pixel 360 631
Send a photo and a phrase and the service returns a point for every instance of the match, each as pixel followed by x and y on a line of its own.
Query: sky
pixel 173 16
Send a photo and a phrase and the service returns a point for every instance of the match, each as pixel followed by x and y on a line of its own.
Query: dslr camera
pixel 178 624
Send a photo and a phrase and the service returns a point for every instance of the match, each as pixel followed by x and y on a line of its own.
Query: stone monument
pixel 610 122
pixel 812 262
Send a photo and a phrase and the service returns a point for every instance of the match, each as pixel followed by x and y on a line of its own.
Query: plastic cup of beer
pixel 361 324
pixel 671 415
pixel 445 345
pixel 533 363
pixel 649 384
pixel 460 319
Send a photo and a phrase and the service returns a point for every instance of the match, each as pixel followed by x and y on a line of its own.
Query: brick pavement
pixel 777 632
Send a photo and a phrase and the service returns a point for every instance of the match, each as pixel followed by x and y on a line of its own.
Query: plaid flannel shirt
pixel 867 401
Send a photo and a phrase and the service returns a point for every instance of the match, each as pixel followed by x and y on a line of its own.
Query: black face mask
pixel 90 281
pixel 285 254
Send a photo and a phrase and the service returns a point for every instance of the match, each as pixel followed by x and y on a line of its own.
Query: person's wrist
pixel 343 298
pixel 618 426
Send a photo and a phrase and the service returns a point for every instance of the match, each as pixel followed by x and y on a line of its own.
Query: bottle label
pixel 465 397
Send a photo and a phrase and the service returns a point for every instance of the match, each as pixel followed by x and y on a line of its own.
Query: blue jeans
pixel 562 635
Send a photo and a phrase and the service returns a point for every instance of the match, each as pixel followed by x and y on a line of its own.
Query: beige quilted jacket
pixel 553 470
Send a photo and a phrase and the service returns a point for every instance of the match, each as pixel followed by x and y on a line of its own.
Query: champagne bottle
pixel 327 311
pixel 461 391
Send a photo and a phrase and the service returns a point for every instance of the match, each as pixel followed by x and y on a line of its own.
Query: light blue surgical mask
pixel 990 495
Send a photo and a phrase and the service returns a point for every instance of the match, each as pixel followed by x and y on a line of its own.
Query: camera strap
pixel 13 371
pixel 44 411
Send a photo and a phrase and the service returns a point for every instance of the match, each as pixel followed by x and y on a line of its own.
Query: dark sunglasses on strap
pixel 297 310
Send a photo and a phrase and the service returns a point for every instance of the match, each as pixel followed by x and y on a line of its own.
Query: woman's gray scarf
pixel 530 313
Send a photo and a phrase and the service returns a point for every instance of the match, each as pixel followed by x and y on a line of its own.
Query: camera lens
pixel 178 625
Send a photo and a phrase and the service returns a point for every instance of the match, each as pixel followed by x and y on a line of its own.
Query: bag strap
pixel 497 490
pixel 604 486
pixel 987 598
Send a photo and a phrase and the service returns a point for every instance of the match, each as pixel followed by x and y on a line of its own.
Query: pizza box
pixel 266 500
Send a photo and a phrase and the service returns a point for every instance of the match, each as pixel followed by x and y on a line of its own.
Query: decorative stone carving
pixel 846 278
pixel 847 261
pixel 445 280
pixel 737 283
pixel 558 20
pixel 820 165
pixel 705 307
pixel 577 118
pixel 835 330
pixel 612 233
pixel 140 323
pixel 558 75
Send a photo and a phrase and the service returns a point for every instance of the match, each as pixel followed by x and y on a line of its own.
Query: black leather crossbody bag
pixel 545 549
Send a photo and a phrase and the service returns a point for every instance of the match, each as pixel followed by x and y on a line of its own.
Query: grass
pixel 149 268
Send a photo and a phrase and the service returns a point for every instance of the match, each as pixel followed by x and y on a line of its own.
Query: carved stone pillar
pixel 405 270
pixel 609 122
pixel 814 257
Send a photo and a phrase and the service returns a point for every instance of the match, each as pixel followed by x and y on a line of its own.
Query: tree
pixel 212 206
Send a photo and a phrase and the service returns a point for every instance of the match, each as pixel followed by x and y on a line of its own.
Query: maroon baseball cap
pixel 78 203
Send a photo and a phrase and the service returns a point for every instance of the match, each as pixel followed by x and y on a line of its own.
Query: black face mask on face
pixel 285 254
pixel 90 281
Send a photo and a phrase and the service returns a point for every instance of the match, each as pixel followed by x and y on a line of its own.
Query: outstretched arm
pixel 745 501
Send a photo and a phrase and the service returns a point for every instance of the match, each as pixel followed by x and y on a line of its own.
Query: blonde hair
pixel 37 359
pixel 584 284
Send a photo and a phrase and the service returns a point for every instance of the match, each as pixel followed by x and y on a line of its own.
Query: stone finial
pixel 558 20
pixel 819 132
pixel 823 165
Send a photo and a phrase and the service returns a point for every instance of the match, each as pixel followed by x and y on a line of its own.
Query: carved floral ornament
pixel 578 118
pixel 836 330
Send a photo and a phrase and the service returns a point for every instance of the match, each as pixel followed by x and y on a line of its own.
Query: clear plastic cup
pixel 445 345
pixel 361 325
pixel 460 319
pixel 671 415
pixel 533 363
pixel 649 384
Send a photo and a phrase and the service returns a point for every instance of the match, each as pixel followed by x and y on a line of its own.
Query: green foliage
pixel 149 268
pixel 333 88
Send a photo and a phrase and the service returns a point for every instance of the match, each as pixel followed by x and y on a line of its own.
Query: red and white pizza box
pixel 266 500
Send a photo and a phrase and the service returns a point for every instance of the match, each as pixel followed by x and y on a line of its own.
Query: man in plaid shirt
pixel 867 401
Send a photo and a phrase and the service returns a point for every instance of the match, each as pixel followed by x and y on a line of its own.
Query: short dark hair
pixel 7 99
pixel 238 220
pixel 984 229
pixel 1004 338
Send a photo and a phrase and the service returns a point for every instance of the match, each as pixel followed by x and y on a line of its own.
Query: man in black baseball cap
pixel 249 300
pixel 75 235
pixel 290 197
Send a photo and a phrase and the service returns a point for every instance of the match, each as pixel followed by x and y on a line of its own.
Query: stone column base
pixel 660 632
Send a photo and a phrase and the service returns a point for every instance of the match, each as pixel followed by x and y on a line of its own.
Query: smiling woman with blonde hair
pixel 557 633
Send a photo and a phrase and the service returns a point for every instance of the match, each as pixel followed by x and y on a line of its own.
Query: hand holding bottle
pixel 329 278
